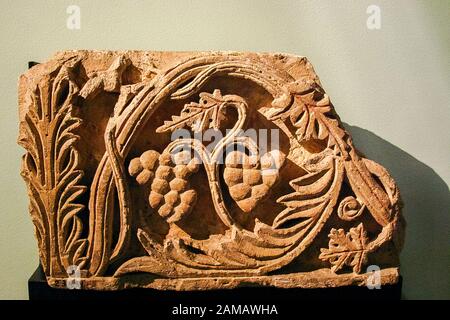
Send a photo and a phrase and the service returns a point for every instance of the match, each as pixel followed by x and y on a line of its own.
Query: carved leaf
pixel 308 199
pixel 346 249
pixel 50 169
pixel 305 116
pixel 198 116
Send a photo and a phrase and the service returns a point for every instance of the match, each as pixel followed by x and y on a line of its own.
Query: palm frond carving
pixel 51 170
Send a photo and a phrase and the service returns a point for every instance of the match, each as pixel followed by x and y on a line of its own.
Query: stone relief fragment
pixel 199 170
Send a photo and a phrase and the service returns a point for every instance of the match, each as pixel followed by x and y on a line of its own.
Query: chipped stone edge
pixel 322 278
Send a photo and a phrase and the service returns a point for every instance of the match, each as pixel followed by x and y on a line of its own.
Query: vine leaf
pixel 198 116
pixel 313 116
pixel 346 249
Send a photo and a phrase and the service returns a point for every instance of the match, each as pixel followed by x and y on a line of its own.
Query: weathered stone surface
pixel 199 170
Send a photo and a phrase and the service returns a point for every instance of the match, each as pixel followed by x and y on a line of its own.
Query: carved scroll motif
pixel 331 179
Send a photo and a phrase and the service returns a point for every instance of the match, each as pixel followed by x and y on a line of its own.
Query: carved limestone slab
pixel 199 170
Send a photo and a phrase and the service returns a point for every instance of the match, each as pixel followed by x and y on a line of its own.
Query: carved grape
pixel 135 167
pixel 178 184
pixel 160 185
pixel 149 159
pixel 145 177
pixel 155 199
pixel 189 197
pixel 164 172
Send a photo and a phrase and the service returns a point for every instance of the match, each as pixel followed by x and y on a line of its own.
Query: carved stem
pixel 241 107
pixel 360 178
pixel 210 159
pixel 122 189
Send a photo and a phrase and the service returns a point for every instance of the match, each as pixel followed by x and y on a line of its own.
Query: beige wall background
pixel 391 87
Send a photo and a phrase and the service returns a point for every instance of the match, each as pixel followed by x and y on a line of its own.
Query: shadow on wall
pixel 425 259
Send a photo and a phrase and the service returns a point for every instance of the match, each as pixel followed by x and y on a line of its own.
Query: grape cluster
pixel 249 181
pixel 166 174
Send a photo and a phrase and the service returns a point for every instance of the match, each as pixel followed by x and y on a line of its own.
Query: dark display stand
pixel 38 289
